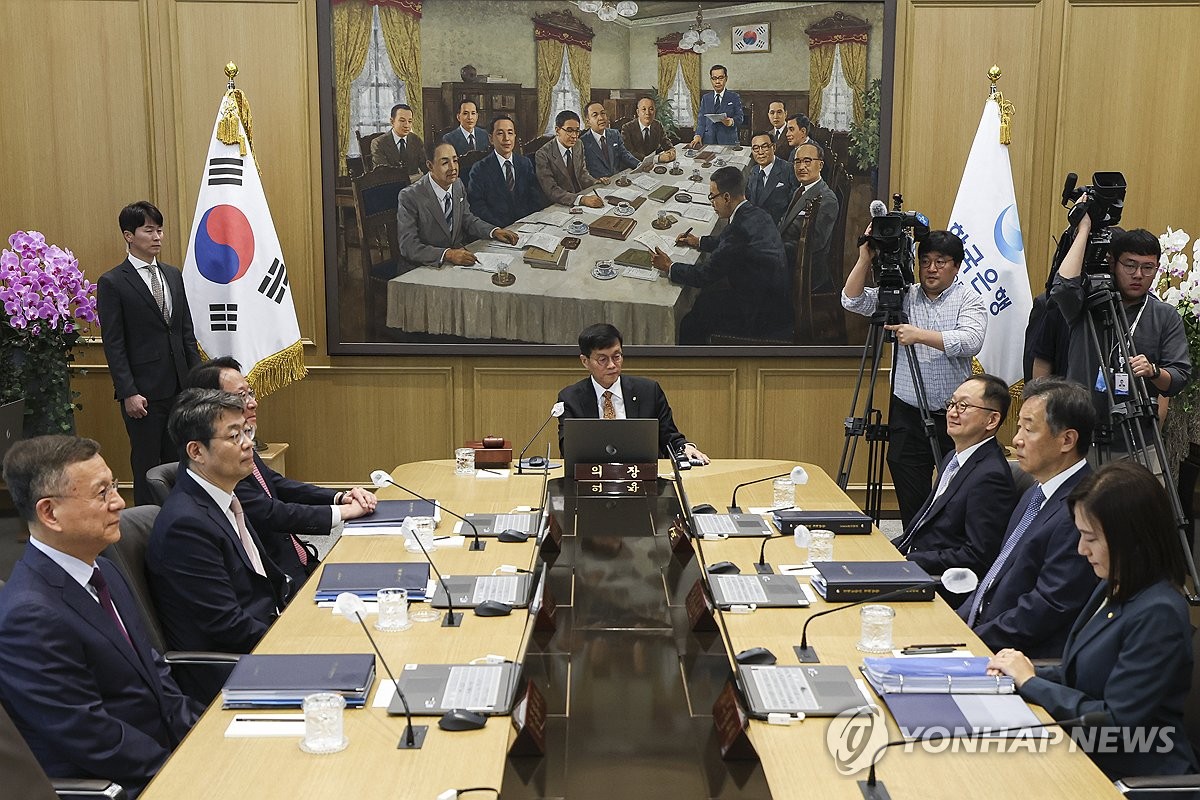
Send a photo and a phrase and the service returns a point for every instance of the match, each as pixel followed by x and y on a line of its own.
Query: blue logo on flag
pixel 1008 235
pixel 224 244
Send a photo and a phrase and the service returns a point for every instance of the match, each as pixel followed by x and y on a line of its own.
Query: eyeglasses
pixel 712 197
pixel 246 394
pixel 1133 268
pixel 604 361
pixel 936 263
pixel 104 496
pixel 767 146
pixel 571 131
pixel 236 437
pixel 806 160
pixel 961 407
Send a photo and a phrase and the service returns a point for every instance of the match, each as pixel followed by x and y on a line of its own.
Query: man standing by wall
pixel 720 101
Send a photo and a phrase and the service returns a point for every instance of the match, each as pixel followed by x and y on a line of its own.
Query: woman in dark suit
pixel 1129 653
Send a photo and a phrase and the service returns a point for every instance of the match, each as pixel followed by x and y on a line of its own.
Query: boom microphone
pixel 380 479
pixel 556 411
pixel 798 475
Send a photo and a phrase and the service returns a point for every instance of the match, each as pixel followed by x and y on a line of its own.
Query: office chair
pixel 161 480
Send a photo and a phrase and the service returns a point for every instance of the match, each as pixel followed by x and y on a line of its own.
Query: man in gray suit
pixel 808 161
pixel 561 170
pixel 434 220
pixel 400 147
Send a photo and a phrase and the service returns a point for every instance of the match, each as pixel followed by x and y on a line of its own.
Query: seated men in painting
pixel 561 170
pixel 644 134
pixel 770 181
pixel 503 185
pixel 603 149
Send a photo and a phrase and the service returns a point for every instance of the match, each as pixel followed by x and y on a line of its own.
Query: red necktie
pixel 98 583
pixel 301 553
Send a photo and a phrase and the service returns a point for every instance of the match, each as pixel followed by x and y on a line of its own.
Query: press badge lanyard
pixel 1120 379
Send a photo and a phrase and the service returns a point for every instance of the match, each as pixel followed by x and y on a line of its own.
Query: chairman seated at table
pixel 603 149
pixel 434 220
pixel 503 187
pixel 561 168
pixel 606 394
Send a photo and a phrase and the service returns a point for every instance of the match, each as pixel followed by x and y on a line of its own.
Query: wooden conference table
pixel 546 306
pixel 629 688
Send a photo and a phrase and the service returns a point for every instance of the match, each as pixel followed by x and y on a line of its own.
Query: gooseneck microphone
pixel 798 475
pixel 452 620
pixel 556 411
pixel 874 790
pixel 350 605
pixel 958 580
pixel 800 535
pixel 379 479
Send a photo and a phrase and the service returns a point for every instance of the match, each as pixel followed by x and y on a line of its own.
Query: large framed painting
pixel 498 174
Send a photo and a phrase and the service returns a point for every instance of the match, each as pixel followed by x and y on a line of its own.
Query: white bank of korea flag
pixel 236 281
pixel 985 218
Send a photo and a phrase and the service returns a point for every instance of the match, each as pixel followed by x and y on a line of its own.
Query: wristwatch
pixel 1154 375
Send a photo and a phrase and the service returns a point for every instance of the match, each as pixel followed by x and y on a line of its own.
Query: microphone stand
pixel 476 544
pixel 734 508
pixel 451 620
pixel 521 457
pixel 808 655
pixel 762 567
pixel 414 735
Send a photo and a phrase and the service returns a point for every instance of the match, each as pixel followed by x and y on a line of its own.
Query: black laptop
pixel 608 441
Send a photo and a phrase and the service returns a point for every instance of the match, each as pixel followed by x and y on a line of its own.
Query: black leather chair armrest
pixel 1160 784
pixel 87 789
pixel 199 657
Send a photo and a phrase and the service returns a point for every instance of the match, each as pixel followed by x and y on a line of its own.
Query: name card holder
pixel 700 609
pixel 529 722
pixel 617 472
pixel 731 722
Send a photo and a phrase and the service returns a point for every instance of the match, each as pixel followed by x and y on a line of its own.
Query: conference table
pixel 629 687
pixel 547 305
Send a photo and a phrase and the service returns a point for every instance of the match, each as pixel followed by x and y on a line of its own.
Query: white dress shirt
pixel 143 270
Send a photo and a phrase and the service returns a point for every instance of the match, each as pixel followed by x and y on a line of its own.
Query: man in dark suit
pixel 795 131
pixel 603 149
pixel 606 394
pixel 148 340
pixel 400 147
pixel 770 181
pixel 503 187
pixel 963 521
pixel 81 680
pixel 777 116
pixel 1039 582
pixel 213 582
pixel 467 137
pixel 434 219
pixel 719 101
pixel 644 134
pixel 808 160
pixel 277 507
pixel 744 280
pixel 561 170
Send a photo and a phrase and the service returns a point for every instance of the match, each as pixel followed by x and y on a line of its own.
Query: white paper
pixel 374 530
pixel 646 182
pixel 372 606
pixel 652 239
pixel 384 694
pixel 700 213
pixel 546 240
pixel 253 726
pixel 555 218
pixel 531 227
pixel 716 117
pixel 952 654
pixel 626 193
pixel 491 262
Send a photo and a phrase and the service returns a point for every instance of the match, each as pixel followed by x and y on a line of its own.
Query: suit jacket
pixel 965 526
pixel 746 266
pixel 782 148
pixel 631 134
pixel 618 159
pixel 456 138
pixel 489 195
pixel 644 399
pixel 292 507
pixel 1044 583
pixel 1132 660
pixel 421 223
pixel 23 775
pixel 820 234
pixel 207 593
pixel 716 132
pixel 777 195
pixel 552 173
pixel 88 703
pixel 385 152
pixel 146 354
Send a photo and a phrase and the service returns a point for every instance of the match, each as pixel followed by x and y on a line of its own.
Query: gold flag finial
pixel 231 70
pixel 994 74
pixel 1006 108
pixel 235 110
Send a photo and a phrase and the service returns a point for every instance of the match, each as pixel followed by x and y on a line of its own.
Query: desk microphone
pixel 799 535
pixel 379 479
pixel 452 620
pixel 555 412
pixel 958 580
pixel 350 605
pixel 798 476
pixel 874 790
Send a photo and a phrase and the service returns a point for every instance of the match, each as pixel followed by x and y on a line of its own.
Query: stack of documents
pixel 366 579
pixel 393 512
pixel 283 681
pixel 934 675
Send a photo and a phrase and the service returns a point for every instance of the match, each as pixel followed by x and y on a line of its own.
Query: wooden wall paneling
pixel 79 139
pixel 273 44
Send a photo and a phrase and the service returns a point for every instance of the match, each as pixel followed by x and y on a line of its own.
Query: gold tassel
pixel 276 371
pixel 1006 114
pixel 228 130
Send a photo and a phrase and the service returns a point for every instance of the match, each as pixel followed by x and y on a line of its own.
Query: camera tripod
pixel 1135 416
pixel 869 424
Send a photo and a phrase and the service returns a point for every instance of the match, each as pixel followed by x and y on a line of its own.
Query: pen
pixel 939 644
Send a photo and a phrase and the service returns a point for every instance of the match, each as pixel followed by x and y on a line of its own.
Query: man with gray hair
pixel 214 584
pixel 82 682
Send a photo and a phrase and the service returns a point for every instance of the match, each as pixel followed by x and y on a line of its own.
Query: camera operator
pixel 946 323
pixel 1160 351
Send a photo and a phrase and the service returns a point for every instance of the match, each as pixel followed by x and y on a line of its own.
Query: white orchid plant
pixel 1178 284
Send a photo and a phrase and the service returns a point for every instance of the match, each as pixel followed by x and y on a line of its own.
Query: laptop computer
pixel 732 525
pixel 764 591
pixel 607 441
pixel 434 689
pixel 819 690
pixel 12 423
pixel 469 591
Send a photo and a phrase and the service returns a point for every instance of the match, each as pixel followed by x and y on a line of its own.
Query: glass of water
pixel 784 493
pixel 464 461
pixel 876 636
pixel 323 732
pixel 820 546
pixel 425 529
pixel 393 610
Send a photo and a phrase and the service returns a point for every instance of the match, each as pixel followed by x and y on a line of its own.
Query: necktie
pixel 301 553
pixel 765 176
pixel 98 583
pixel 717 104
pixel 1010 544
pixel 400 147
pixel 905 543
pixel 509 177
pixel 449 206
pixel 608 411
pixel 604 149
pixel 470 141
pixel 156 289
pixel 244 535
pixel 646 139
pixel 571 171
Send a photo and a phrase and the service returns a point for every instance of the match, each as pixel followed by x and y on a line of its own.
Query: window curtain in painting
pixel 401 23
pixel 837 31
pixel 550 39
pixel 671 58
pixel 351 39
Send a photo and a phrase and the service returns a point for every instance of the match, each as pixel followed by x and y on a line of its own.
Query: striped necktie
pixel 509 177
pixel 301 553
pixel 449 206
pixel 1031 511
pixel 247 540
